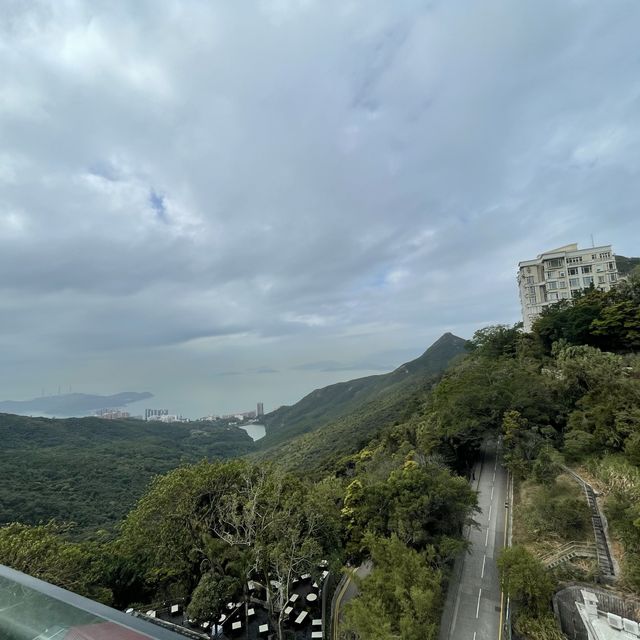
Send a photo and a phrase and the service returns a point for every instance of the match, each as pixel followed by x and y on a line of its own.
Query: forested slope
pixel 319 451
pixel 338 401
pixel 567 392
pixel 92 471
pixel 626 265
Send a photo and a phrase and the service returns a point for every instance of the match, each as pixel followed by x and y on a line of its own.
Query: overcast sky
pixel 224 202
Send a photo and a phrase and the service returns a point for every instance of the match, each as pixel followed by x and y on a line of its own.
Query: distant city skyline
pixel 219 202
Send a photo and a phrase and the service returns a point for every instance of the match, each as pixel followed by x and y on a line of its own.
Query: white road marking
pixel 484 559
pixel 486 538
pixel 492 493
pixel 490 512
pixel 494 476
pixel 455 610
pixel 474 635
pixel 478 605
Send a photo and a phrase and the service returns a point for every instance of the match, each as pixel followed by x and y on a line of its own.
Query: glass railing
pixel 31 609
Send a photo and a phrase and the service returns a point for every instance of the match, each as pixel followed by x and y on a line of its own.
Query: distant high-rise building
pixel 155 413
pixel 260 411
pixel 560 273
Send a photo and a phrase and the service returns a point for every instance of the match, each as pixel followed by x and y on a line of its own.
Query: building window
pixel 553 296
pixel 606 254
pixel 586 269
pixel 574 283
pixel 562 284
pixel 610 266
pixel 575 260
pixel 612 277
pixel 573 271
pixel 553 263
pixel 601 279
pixel 529 279
pixel 588 280
pixel 552 285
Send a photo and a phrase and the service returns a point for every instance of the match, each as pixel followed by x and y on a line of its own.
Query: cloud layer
pixel 284 188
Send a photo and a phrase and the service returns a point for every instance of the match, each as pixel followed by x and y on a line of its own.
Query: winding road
pixel 474 609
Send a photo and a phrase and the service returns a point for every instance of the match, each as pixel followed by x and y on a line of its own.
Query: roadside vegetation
pixel 551 516
pixel 569 391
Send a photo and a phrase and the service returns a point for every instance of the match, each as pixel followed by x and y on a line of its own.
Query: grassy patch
pixel 548 516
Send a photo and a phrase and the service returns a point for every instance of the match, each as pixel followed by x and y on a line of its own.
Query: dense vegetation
pixel 626 265
pixel 91 471
pixel 553 395
pixel 202 529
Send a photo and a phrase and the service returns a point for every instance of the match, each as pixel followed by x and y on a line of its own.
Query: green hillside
pixel 327 405
pixel 92 471
pixel 626 265
pixel 319 451
pixel 386 482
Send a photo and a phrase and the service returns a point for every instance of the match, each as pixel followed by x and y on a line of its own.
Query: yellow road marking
pixel 336 613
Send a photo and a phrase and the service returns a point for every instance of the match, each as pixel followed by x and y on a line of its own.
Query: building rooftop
pixel 601 625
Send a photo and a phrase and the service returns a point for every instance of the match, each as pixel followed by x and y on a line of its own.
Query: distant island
pixel 71 404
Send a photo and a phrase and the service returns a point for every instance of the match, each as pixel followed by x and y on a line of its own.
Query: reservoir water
pixel 256 431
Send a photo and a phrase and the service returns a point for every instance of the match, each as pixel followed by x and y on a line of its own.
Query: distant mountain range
pixel 71 404
pixel 329 404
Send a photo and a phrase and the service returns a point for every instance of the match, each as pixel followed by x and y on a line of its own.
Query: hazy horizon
pixel 194 406
pixel 226 203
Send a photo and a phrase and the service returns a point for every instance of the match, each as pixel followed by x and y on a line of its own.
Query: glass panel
pixel 34 610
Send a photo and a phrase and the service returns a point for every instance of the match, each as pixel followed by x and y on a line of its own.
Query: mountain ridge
pixel 327 404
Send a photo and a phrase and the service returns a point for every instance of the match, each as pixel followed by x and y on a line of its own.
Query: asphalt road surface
pixel 474 601
pixel 347 592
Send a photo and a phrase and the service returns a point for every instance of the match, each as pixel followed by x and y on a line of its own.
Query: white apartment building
pixel 557 274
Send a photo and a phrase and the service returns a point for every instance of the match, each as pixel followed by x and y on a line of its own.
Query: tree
pixel 524 578
pixel 522 445
pixel 42 552
pixel 496 341
pixel 272 514
pixel 171 527
pixel 210 595
pixel 545 466
pixel 571 320
pixel 605 390
pixel 608 320
pixel 471 401
pixel 401 597
pixel 420 504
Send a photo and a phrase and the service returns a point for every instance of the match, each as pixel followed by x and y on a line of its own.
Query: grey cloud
pixel 257 176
